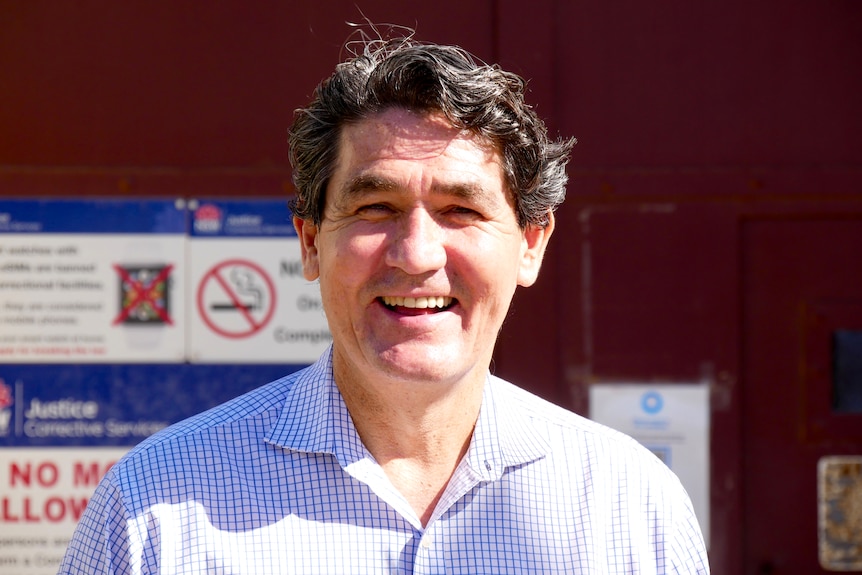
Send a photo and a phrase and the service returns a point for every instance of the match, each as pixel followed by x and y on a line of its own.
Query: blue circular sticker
pixel 652 402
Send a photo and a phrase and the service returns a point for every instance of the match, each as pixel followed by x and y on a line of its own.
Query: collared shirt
pixel 278 481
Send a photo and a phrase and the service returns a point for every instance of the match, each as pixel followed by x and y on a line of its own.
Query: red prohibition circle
pixel 213 275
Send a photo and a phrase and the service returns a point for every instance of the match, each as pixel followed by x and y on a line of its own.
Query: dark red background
pixel 694 120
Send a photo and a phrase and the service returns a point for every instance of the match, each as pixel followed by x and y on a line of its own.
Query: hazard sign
pixel 144 295
pixel 236 298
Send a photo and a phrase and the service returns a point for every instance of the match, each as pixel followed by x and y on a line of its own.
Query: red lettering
pixel 47 474
pixel 28 514
pixel 77 506
pixel 88 476
pixel 54 509
pixel 17 474
pixel 8 517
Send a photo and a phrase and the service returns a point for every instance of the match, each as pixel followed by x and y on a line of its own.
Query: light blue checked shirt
pixel 278 481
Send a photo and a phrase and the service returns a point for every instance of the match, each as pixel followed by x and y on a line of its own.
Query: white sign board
pixel 43 492
pixel 250 301
pixel 92 288
pixel 108 334
pixel 672 421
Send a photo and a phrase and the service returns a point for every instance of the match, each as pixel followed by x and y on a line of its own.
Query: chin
pixel 422 365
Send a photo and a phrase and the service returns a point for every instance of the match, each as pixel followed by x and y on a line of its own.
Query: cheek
pixel 362 251
pixel 488 269
pixel 498 261
pixel 348 260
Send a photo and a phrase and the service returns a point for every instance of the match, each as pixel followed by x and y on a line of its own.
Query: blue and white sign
pixel 114 404
pixel 672 421
pixel 205 281
pixel 249 300
pixel 92 281
pixel 63 426
pixel 119 318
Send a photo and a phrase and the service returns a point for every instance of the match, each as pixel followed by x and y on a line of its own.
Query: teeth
pixel 418 302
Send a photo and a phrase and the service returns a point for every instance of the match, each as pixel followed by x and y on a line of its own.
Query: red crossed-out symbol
pixel 232 279
pixel 140 293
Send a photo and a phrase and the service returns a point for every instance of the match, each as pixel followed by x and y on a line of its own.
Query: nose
pixel 418 244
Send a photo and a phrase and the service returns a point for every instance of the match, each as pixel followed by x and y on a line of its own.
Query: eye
pixel 464 213
pixel 374 210
pixel 464 210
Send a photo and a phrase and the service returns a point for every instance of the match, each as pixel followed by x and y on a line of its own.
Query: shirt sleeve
pixel 687 547
pixel 100 543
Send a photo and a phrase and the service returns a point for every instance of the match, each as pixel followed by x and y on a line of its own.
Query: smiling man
pixel 426 191
pixel 418 253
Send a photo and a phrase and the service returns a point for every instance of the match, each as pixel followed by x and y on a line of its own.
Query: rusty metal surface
pixel 840 512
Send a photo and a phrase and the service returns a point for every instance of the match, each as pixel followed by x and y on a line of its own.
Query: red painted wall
pixel 691 118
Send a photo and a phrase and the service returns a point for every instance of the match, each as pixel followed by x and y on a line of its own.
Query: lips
pixel 431 303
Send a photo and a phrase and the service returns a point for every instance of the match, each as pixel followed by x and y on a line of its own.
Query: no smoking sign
pixel 236 298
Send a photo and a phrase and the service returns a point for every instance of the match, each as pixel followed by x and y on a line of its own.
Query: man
pixel 426 191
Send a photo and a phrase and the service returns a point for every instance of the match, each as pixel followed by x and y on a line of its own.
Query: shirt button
pixel 426 542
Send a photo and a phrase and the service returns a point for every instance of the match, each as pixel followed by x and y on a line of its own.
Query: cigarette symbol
pixel 245 286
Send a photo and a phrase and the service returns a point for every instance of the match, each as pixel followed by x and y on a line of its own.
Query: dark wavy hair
pixel 404 73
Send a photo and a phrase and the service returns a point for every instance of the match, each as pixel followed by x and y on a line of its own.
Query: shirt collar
pixel 315 420
pixel 505 435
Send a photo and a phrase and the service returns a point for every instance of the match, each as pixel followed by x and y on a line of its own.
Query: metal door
pixel 802 331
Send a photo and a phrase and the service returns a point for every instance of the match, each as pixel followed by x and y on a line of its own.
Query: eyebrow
pixel 365 183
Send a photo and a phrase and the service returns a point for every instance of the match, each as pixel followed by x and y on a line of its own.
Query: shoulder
pixel 233 425
pixel 551 417
pixel 571 437
pixel 249 406
pixel 599 472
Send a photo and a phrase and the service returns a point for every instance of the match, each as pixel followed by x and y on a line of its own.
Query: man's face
pixel 418 252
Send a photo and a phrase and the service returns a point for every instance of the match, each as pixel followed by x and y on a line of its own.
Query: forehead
pixel 400 146
pixel 397 133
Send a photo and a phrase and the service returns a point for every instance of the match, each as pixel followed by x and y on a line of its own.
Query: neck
pixel 415 431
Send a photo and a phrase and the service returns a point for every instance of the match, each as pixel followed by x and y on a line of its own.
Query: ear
pixel 535 241
pixel 307 232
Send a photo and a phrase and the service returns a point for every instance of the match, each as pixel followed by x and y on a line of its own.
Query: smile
pixel 424 302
